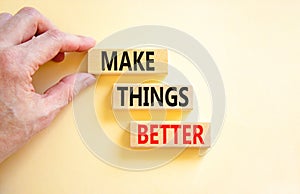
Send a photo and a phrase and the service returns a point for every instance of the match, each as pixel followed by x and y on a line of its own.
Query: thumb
pixel 62 93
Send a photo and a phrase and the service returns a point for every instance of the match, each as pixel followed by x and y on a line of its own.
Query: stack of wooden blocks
pixel 158 96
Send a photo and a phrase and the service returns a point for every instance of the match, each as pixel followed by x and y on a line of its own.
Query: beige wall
pixel 256 46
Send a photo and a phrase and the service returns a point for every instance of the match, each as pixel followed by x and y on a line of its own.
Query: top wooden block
pixel 130 61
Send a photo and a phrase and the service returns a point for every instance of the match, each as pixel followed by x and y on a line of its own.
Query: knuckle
pixel 31 14
pixel 69 91
pixel 56 34
pixel 30 11
pixel 5 15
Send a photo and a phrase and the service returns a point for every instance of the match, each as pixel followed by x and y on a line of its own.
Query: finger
pixel 4 17
pixel 46 46
pixel 59 95
pixel 23 26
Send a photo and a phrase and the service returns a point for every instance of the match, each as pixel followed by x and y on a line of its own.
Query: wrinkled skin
pixel 28 40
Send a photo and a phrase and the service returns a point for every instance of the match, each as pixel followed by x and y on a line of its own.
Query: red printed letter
pixel 175 127
pixel 197 134
pixel 142 133
pixel 186 134
pixel 164 127
pixel 152 134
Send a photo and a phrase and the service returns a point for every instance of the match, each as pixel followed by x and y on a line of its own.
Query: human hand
pixel 28 40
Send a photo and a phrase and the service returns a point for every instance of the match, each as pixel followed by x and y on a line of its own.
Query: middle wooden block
pixel 152 96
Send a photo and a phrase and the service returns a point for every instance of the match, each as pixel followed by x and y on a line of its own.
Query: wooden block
pixel 169 134
pixel 131 61
pixel 152 96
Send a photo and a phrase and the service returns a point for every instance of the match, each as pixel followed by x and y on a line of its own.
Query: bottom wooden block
pixel 169 134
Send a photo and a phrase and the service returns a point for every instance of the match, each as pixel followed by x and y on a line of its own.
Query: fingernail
pixel 91 40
